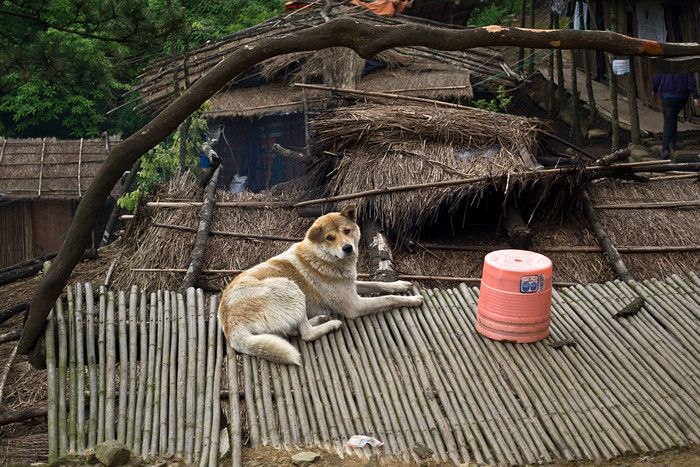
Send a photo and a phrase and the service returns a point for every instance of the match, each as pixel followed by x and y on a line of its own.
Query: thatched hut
pixel 265 106
pixel 41 182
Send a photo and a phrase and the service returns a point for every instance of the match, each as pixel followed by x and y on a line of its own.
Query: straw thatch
pixel 413 144
pixel 47 168
pixel 266 89
pixel 164 248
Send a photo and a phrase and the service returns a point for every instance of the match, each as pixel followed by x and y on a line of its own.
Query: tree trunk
pixel 381 261
pixel 614 259
pixel 367 40
pixel 200 243
pixel 114 215
pixel 518 231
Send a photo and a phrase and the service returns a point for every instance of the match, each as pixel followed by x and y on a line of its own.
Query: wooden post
pixel 518 231
pixel 604 240
pixel 521 50
pixel 615 141
pixel 531 64
pixel 630 83
pixel 381 261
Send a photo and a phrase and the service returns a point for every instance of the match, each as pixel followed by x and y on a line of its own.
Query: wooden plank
pixel 675 64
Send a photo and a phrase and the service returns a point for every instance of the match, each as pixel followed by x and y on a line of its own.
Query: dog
pixel 292 293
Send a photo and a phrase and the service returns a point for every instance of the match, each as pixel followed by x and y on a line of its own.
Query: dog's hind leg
pixel 309 332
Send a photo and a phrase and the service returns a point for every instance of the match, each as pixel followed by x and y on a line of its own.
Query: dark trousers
pixel 672 107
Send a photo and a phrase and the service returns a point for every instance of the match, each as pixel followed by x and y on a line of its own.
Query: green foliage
pixel 161 163
pixel 500 12
pixel 497 104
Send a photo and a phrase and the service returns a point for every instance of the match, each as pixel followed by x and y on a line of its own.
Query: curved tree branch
pixel 367 40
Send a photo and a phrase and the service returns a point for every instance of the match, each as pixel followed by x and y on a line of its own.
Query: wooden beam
pixel 676 64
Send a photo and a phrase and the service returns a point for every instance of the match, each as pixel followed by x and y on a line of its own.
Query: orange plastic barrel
pixel 515 298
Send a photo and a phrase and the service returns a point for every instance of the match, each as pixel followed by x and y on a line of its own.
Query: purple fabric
pixel 673 85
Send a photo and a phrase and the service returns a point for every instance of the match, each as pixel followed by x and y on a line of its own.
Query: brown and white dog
pixel 291 293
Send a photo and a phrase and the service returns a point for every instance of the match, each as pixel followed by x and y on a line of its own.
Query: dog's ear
pixel 315 234
pixel 350 212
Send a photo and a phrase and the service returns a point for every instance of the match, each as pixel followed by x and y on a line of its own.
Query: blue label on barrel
pixel 532 284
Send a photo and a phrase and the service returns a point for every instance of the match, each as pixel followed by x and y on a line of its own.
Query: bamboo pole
pixel 150 378
pixel 235 409
pixel 215 435
pixel 270 411
pixel 62 370
pixel 143 351
pixel 133 363
pixel 191 376
pixel 279 401
pixel 209 381
pixel 475 419
pixel 102 356
pixel 250 408
pixel 72 374
pixel 111 352
pixel 295 405
pixel 621 387
pixel 157 369
pixel 80 365
pixel 530 444
pixel 123 369
pixel 318 406
pixel 489 400
pixel 172 394
pixel 51 390
pixel 201 374
pixel 181 374
pixel 165 374
pixel 304 405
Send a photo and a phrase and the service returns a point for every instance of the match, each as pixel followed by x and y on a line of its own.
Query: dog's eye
pixel 330 238
pixel 347 231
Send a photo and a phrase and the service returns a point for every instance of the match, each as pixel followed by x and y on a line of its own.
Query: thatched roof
pixel 267 89
pixel 47 168
pixel 380 146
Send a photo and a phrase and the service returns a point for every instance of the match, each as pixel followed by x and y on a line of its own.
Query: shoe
pixel 665 154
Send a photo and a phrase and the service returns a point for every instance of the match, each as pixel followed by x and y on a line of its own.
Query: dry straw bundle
pixel 389 145
pixel 154 247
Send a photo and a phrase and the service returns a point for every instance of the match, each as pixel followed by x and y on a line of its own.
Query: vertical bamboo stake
pixel 209 381
pixel 133 363
pixel 216 417
pixel 110 369
pixel 62 369
pixel 155 434
pixel 92 365
pixel 123 368
pixel 52 415
pixel 249 393
pixel 72 374
pixel 148 409
pixel 80 363
pixel 191 383
pixel 165 375
pixel 201 374
pixel 234 404
pixel 181 373
pixel 141 396
pixel 102 354
pixel 172 396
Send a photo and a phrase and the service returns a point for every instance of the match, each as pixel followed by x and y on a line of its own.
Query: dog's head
pixel 336 234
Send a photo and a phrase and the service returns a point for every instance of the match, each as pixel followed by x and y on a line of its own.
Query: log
pixel 614 259
pixel 381 261
pixel 114 215
pixel 518 231
pixel 200 244
pixel 289 154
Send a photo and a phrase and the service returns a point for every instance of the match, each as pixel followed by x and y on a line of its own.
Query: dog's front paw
pixel 401 286
pixel 320 319
pixel 334 324
pixel 415 301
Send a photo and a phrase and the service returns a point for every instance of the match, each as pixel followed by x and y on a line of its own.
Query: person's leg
pixel 671 108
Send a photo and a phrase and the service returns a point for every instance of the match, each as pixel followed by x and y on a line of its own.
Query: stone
pixel 422 451
pixel 112 452
pixel 67 460
pixel 305 458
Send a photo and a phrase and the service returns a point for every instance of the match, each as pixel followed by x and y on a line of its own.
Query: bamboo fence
pixel 422 380
pixel 148 369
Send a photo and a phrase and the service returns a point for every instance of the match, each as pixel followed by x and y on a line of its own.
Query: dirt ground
pixel 269 457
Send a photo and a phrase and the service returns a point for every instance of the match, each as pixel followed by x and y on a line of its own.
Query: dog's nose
pixel 348 249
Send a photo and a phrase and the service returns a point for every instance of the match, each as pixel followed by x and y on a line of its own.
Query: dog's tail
pixel 268 346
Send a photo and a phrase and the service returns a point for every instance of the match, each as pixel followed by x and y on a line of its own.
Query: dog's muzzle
pixel 348 249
